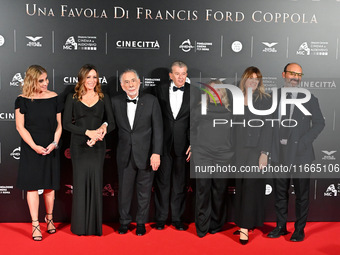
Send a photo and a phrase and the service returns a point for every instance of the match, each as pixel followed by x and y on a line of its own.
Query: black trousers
pixel 301 189
pixel 171 171
pixel 127 178
pixel 211 205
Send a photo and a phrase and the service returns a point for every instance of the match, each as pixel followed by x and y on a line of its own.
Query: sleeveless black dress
pixel 37 171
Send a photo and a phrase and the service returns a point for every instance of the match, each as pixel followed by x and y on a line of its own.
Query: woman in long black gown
pixel 211 146
pixel 253 145
pixel 38 121
pixel 84 116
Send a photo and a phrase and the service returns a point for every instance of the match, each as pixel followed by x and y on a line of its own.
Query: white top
pixel 176 99
pixel 131 111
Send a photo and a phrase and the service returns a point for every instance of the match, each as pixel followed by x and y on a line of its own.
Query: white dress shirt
pixel 131 111
pixel 176 99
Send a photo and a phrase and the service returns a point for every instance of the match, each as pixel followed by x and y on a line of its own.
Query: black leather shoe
pixel 278 231
pixel 298 236
pixel 123 229
pixel 140 231
pixel 160 225
pixel 179 225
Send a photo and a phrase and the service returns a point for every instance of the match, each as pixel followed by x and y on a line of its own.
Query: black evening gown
pixel 250 192
pixel 87 163
pixel 37 171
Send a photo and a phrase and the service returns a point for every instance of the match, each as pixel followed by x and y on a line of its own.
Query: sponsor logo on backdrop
pixel 5 190
pixel 16 153
pixel 269 47
pixel 232 190
pixel 312 84
pixel 72 80
pixel 236 46
pixel 81 42
pixel 332 190
pixel 34 41
pixel 186 46
pixel 151 82
pixel 313 48
pixel 137 45
pixel 16 80
pixel 269 189
pixel 269 83
pixel 7 116
pixel 2 40
pixel 328 155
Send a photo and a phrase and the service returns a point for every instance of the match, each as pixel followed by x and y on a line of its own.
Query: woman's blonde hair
pixel 80 88
pixel 223 93
pixel 30 85
pixel 260 90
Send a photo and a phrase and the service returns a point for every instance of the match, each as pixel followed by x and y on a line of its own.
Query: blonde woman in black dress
pixel 88 116
pixel 38 121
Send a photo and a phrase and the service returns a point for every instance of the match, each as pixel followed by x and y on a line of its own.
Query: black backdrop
pixel 216 39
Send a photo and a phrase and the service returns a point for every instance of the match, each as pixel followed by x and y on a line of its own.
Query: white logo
pixel 329 155
pixel 269 47
pixel 73 80
pixel 138 45
pixel 236 46
pixel 81 42
pixel 2 40
pixel 331 191
pixel 34 41
pixel 303 48
pixel 5 190
pixel 7 116
pixel 16 153
pixel 186 46
pixel 16 80
pixel 269 189
pixel 70 44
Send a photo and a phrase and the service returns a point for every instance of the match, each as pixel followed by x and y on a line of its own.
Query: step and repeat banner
pixel 216 39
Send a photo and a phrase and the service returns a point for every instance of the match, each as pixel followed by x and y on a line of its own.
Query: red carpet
pixel 321 238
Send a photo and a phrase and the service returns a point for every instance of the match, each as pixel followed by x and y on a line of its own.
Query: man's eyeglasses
pixel 294 73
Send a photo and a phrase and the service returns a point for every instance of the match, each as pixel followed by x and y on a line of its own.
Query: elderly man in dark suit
pixel 293 146
pixel 174 99
pixel 140 143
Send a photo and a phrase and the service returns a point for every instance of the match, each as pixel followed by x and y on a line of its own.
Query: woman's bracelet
pixel 55 144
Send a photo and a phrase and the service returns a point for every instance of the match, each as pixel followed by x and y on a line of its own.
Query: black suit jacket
pixel 176 131
pixel 146 136
pixel 300 140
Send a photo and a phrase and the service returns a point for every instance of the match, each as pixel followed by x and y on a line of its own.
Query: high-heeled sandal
pixel 36 227
pixel 50 221
pixel 243 241
pixel 237 232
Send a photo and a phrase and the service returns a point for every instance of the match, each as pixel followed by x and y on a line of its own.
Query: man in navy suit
pixel 174 99
pixel 140 142
pixel 293 146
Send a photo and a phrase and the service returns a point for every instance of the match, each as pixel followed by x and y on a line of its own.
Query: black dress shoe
pixel 123 229
pixel 278 231
pixel 140 231
pixel 160 225
pixel 298 236
pixel 179 225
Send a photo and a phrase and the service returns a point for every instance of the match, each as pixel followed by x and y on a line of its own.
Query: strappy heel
pixel 36 228
pixel 52 230
pixel 244 241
